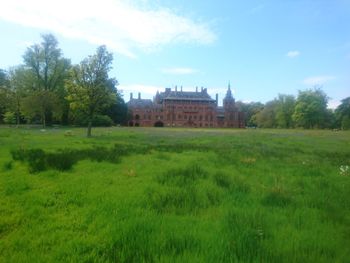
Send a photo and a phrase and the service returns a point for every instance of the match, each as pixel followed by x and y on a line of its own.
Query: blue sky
pixel 262 47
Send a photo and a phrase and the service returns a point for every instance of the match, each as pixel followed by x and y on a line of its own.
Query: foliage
pixel 343 114
pixel 89 88
pixel 97 121
pixel 311 109
pixel 266 118
pixel 39 103
pixel 48 71
pixel 284 111
pixel 250 110
pixel 9 118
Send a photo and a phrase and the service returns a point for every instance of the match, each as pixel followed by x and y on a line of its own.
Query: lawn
pixel 174 195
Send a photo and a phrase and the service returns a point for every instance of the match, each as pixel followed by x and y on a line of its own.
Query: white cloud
pixel 293 54
pixel 120 25
pixel 333 104
pixel 147 91
pixel 317 80
pixel 179 71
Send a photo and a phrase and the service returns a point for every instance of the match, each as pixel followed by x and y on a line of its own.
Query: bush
pixel 9 118
pixel 97 121
pixel 102 121
pixel 345 123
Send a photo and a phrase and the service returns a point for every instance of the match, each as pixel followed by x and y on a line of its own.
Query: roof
pixel 185 95
pixel 140 103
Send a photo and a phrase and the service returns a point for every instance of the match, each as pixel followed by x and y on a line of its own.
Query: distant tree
pixel 311 109
pixel 3 92
pixel 19 83
pixel 342 114
pixel 89 87
pixel 266 118
pixel 9 118
pixel 284 111
pixel 38 103
pixel 118 110
pixel 49 71
pixel 250 110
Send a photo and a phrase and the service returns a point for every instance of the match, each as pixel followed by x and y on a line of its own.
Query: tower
pixel 230 115
pixel 229 101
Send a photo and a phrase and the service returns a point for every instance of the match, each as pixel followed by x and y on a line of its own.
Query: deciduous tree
pixel 89 87
pixel 49 71
pixel 311 109
pixel 343 114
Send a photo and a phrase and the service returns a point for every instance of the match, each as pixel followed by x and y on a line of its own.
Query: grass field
pixel 174 195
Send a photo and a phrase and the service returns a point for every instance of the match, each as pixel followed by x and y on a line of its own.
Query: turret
pixel 229 101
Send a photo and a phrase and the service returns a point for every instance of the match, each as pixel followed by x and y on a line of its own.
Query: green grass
pixel 174 195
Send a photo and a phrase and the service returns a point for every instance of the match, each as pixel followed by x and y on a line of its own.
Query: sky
pixel 262 47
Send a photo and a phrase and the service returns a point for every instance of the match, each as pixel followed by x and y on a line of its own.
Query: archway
pixel 131 123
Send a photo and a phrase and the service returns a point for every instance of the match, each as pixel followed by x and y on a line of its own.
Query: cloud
pixel 293 54
pixel 122 26
pixel 333 104
pixel 317 80
pixel 147 91
pixel 179 71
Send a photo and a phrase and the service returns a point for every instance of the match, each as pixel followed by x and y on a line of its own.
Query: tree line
pixel 47 89
pixel 308 110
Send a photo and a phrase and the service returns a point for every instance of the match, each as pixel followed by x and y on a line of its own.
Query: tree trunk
pixel 44 120
pixel 89 128
pixel 17 119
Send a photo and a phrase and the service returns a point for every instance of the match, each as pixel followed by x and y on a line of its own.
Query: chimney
pixel 181 88
pixel 131 96
pixel 139 95
pixel 196 89
pixel 176 88
pixel 201 89
pixel 205 90
pixel 217 99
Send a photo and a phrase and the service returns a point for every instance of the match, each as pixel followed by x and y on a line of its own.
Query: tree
pixel 311 109
pixel 3 92
pixel 266 118
pixel 49 71
pixel 250 110
pixel 343 114
pixel 118 110
pixel 284 111
pixel 19 81
pixel 38 103
pixel 89 88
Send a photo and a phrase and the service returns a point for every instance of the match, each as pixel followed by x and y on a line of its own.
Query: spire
pixel 229 92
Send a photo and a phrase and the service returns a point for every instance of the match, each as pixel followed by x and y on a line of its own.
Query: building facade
pixel 177 108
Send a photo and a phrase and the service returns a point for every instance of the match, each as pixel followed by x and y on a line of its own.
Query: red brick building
pixel 177 108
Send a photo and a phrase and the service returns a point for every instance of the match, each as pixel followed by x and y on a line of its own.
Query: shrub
pixel 8 166
pixel 9 118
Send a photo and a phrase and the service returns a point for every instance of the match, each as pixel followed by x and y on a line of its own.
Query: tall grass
pixel 174 195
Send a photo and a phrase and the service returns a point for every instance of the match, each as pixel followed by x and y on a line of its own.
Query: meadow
pixel 174 195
